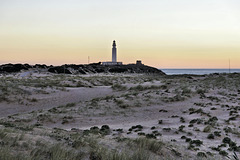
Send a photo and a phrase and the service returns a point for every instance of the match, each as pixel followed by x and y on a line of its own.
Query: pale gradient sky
pixel 162 33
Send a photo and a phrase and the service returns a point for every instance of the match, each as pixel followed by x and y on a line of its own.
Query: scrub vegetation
pixel 133 117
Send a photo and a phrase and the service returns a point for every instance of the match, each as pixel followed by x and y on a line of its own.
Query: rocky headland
pixel 82 68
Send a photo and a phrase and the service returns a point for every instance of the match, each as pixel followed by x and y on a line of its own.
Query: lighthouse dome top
pixel 114 43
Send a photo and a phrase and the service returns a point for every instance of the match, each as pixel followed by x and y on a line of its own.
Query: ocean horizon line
pixel 199 71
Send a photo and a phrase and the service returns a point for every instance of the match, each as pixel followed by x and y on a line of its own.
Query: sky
pixel 161 33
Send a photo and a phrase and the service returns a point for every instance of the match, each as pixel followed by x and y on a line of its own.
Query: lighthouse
pixel 114 52
pixel 114 56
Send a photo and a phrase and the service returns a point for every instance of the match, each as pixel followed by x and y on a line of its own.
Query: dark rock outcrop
pixel 83 69
pixel 10 68
pixel 98 68
pixel 118 70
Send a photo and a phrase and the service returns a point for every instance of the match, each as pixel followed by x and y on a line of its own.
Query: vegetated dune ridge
pixel 81 69
pixel 119 116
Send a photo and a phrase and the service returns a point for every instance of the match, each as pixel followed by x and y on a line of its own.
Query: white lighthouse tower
pixel 114 52
pixel 114 56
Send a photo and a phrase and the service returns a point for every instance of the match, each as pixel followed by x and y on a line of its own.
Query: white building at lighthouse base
pixel 111 63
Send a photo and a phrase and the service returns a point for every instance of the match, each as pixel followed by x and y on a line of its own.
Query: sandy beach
pixel 107 115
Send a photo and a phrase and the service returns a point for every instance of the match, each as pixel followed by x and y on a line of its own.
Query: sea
pixel 198 71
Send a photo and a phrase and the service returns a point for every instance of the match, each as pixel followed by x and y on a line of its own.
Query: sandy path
pixel 73 95
pixel 147 116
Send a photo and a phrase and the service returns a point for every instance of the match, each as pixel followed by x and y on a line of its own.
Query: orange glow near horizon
pixel 162 34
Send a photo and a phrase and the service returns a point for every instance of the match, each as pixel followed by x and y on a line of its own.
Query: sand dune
pixel 164 117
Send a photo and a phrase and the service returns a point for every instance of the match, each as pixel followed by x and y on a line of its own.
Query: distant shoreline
pixel 198 71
